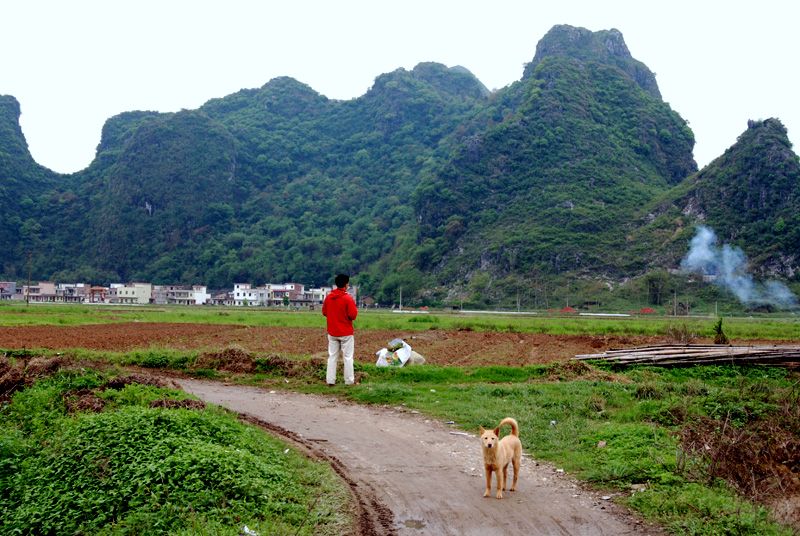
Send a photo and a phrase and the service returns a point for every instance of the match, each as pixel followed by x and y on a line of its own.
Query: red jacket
pixel 340 311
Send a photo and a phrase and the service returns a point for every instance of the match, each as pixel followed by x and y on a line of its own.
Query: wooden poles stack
pixel 698 354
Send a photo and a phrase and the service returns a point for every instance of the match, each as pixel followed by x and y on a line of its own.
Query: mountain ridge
pixel 428 182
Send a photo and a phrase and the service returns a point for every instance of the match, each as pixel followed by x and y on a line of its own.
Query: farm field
pixel 617 430
pixel 443 338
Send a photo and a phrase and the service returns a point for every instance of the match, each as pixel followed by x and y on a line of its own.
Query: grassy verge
pixel 80 455
pixel 744 328
pixel 622 431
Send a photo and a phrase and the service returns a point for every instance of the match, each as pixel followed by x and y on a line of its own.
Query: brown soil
pixel 178 404
pixel 83 400
pixel 441 347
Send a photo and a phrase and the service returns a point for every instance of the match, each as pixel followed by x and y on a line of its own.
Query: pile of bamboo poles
pixel 699 354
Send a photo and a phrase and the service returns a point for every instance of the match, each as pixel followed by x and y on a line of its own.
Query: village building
pixel 245 295
pixel 98 294
pixel 72 292
pixel 131 293
pixel 222 298
pixel 293 295
pixel 7 290
pixel 180 295
pixel 287 294
pixel 315 296
pixel 42 292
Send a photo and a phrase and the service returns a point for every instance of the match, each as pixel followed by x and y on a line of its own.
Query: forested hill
pixel 552 170
pixel 427 182
pixel 272 184
pixel 22 181
pixel 750 196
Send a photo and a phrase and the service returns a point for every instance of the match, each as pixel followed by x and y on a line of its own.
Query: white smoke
pixel 729 266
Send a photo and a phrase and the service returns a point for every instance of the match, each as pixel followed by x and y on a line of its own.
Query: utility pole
pixel 401 298
pixel 675 301
pixel 28 289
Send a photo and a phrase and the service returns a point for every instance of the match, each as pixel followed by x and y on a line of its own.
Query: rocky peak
pixel 605 46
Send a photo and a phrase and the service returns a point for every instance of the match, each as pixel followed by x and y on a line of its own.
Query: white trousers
pixel 345 345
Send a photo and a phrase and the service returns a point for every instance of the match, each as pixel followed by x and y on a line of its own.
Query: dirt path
pixel 429 477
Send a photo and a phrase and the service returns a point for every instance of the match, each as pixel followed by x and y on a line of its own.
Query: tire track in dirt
pixel 373 518
pixel 429 477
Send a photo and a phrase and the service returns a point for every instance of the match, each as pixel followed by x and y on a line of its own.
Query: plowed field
pixel 443 347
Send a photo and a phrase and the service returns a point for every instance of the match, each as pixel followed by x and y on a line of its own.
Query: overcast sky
pixel 73 64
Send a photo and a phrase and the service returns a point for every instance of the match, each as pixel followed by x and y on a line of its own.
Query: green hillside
pixel 555 166
pixel 22 183
pixel 750 196
pixel 427 183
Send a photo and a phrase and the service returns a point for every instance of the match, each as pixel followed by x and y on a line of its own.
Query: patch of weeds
pixel 691 508
pixel 153 360
pixel 568 370
pixel 140 470
pixel 680 334
pixel 595 404
pixel 631 452
pixel 719 334
pixel 203 373
pixel 649 391
pixel 19 353
pixel 425 319
pixel 693 388
pixel 384 394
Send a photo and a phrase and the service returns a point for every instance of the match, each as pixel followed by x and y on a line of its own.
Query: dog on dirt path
pixel 498 453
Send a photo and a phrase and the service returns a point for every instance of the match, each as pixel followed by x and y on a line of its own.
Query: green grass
pixel 636 415
pixel 742 328
pixel 132 469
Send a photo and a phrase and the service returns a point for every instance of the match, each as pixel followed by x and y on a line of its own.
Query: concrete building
pixel 42 292
pixel 7 290
pixel 222 298
pixel 131 293
pixel 245 295
pixel 72 292
pixel 286 294
pixel 315 296
pixel 180 295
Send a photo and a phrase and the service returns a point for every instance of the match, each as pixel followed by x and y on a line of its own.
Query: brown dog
pixel 498 453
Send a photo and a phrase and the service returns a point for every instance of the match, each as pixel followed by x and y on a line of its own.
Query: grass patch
pixel 136 469
pixel 619 431
pixel 773 327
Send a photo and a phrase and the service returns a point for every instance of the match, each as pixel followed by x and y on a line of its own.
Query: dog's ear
pixel 482 430
pixel 497 431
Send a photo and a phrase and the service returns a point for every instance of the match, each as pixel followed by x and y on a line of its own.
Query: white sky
pixel 73 64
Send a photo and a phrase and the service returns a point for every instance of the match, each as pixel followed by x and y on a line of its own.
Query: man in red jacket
pixel 340 310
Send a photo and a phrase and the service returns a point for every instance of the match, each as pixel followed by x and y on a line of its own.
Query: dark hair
pixel 342 280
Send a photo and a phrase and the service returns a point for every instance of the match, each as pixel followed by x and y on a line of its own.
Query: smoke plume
pixel 728 264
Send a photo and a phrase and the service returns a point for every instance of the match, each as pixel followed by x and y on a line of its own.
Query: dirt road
pixel 413 476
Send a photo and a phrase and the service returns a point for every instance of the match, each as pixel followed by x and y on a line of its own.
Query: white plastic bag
pixel 396 355
pixel 382 361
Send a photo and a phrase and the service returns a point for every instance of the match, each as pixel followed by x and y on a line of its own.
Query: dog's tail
pixel 513 423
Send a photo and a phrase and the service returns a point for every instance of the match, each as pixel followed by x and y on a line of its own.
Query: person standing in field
pixel 340 310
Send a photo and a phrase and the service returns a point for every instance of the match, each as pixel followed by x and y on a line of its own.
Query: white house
pixel 245 295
